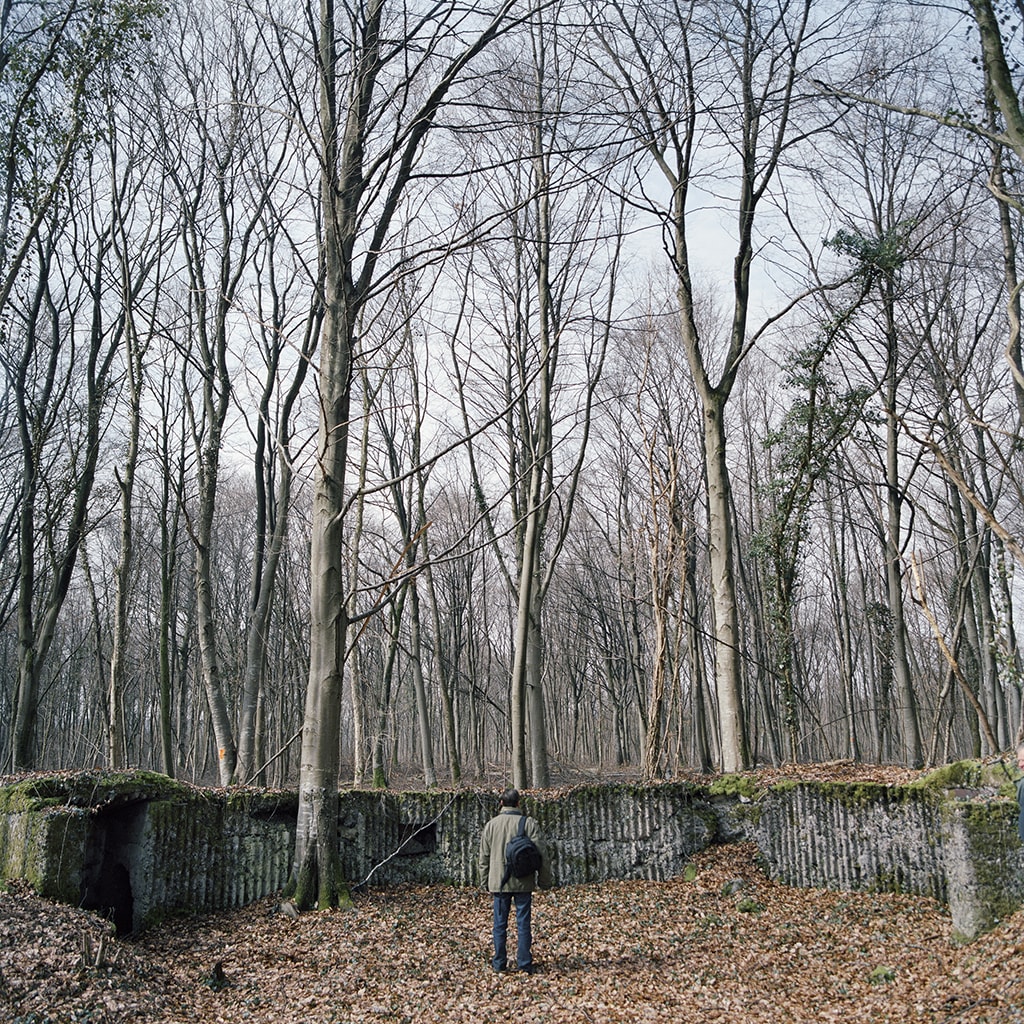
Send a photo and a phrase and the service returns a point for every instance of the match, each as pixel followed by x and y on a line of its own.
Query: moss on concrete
pixel 990 832
pixel 734 785
pixel 65 843
pixel 996 775
pixel 263 803
pixel 957 775
pixel 92 789
pixel 854 795
pixel 46 849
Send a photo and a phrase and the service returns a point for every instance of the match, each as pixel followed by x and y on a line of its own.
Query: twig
pixel 266 764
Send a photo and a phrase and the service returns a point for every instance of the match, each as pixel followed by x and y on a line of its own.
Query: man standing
pixel 505 887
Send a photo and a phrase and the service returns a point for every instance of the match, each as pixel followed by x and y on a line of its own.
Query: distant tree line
pixel 504 388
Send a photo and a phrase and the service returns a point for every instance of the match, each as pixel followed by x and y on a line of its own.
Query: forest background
pixel 673 425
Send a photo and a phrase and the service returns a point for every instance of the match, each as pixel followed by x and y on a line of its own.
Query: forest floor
pixel 728 946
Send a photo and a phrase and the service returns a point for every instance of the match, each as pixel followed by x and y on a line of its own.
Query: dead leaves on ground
pixel 726 946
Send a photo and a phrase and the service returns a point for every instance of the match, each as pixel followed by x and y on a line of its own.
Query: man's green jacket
pixel 493 840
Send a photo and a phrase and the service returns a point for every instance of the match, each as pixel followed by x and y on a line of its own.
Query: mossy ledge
pixel 139 846
pixel 90 789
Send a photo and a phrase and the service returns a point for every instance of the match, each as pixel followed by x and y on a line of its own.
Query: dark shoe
pixel 497 969
pixel 529 969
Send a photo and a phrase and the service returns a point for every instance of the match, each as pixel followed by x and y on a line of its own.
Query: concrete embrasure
pixel 138 847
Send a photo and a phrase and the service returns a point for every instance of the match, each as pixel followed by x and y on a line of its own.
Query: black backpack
pixel 522 858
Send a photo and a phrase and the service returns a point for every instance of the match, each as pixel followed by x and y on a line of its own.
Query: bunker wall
pixel 137 847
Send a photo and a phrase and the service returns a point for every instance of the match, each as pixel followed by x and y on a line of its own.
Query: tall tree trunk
pixel 841 606
pixel 356 678
pixel 731 719
pixel 348 119
pixel 317 877
pixel 378 746
pixel 420 689
pixel 220 717
pixel 447 675
pixel 702 757
pixel 518 693
pixel 536 705
pixel 170 518
pixel 265 576
pixel 913 750
pixel 122 573
pixel 317 868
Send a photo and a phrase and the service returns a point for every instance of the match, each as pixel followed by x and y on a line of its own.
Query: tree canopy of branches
pixel 401 391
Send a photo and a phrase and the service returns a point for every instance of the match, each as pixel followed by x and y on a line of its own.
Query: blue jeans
pixel 502 907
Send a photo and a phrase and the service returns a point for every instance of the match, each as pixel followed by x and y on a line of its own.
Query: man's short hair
pixel 510 798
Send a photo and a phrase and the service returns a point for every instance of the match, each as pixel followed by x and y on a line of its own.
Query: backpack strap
pixel 508 867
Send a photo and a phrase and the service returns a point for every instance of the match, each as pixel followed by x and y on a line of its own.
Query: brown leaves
pixel 682 951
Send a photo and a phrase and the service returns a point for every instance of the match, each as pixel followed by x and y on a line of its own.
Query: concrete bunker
pixel 136 848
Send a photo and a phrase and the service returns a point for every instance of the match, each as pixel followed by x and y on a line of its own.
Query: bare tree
pixel 547 292
pixel 49 61
pixel 384 78
pixel 223 188
pixel 1000 93
pixel 58 465
pixel 708 95
pixel 168 440
pixel 286 358
pixel 139 248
